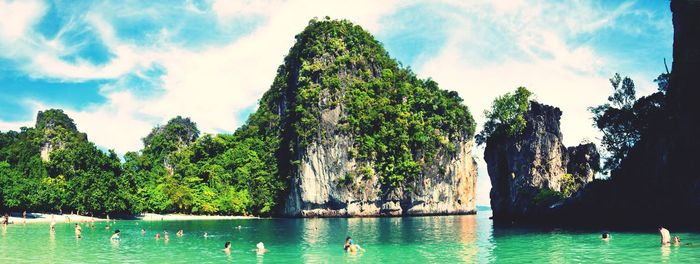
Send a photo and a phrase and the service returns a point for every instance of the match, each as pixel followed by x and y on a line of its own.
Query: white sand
pixel 167 217
pixel 47 218
pixel 72 218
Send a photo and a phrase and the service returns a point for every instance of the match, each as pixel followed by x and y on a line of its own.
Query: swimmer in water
pixel 605 236
pixel 206 235
pixel 676 241
pixel 350 246
pixel 227 247
pixel 180 233
pixel 115 236
pixel 157 236
pixel 78 231
pixel 665 236
pixel 143 232
pixel 260 248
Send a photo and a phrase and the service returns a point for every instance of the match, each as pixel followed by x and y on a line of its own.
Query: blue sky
pixel 121 67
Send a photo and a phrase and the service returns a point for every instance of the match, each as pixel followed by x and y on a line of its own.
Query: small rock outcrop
pixel 533 170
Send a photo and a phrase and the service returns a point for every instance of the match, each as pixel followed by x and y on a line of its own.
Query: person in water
pixel 78 230
pixel 605 236
pixel 206 235
pixel 143 232
pixel 180 233
pixel 665 236
pixel 227 247
pixel 157 236
pixel 115 236
pixel 350 246
pixel 676 240
pixel 260 248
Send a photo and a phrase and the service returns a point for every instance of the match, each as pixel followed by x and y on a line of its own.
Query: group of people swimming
pixel 349 245
pixel 665 237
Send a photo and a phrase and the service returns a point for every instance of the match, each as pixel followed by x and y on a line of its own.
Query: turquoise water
pixel 442 239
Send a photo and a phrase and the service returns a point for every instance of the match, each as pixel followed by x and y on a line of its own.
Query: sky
pixel 119 68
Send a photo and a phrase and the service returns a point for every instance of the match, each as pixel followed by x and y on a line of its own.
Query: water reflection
pixel 467 234
pixel 665 252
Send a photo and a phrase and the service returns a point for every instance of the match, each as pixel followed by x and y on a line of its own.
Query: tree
pixel 624 119
pixel 506 116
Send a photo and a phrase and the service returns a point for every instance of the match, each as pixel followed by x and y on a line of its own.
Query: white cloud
pixel 17 18
pixel 120 124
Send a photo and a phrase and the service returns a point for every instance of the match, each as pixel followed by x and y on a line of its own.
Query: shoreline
pixel 41 218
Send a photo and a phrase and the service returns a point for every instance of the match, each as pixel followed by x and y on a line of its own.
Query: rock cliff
pixel 361 136
pixel 532 170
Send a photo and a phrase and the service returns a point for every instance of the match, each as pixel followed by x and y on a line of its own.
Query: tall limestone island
pixel 362 136
pixel 530 168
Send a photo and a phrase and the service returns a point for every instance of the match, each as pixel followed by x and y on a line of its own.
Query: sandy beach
pixel 170 217
pixel 73 218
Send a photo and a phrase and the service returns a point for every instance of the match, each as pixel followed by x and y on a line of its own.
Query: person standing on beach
pixel 665 236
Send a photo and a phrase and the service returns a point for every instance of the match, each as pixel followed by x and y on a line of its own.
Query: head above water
pixel 228 244
pixel 117 231
pixel 605 235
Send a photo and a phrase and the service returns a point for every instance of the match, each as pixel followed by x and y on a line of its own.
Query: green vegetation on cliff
pixel 397 121
pixel 506 116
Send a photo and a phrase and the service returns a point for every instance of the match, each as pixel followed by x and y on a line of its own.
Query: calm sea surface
pixel 441 239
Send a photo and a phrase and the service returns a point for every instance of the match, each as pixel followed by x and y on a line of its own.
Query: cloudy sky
pixel 119 68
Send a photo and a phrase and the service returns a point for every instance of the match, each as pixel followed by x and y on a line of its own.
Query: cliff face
pixel 447 187
pixel 366 137
pixel 533 170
